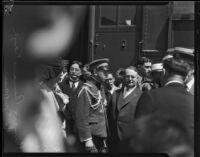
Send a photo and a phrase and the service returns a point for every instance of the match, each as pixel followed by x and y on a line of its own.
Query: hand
pixel 64 97
pixel 89 143
pixel 62 75
pixel 146 87
pixel 90 147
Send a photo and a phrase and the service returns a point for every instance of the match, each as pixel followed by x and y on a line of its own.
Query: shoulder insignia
pixel 94 99
pixel 82 89
pixel 87 84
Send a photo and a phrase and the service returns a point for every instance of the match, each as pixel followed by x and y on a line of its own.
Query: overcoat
pixel 171 100
pixel 121 114
pixel 69 111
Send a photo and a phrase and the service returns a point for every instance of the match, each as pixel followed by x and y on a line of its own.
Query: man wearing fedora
pixel 90 118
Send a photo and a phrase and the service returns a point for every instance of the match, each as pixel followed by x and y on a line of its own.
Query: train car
pixel 123 33
pixel 47 33
pixel 120 32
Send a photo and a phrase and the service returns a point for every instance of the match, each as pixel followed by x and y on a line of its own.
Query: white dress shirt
pixel 127 92
pixel 71 84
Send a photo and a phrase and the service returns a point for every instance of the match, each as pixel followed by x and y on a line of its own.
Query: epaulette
pixel 82 89
pixel 87 84
pixel 86 87
pixel 91 96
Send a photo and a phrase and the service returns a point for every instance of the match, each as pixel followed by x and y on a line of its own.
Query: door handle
pixel 96 44
pixel 141 46
pixel 123 44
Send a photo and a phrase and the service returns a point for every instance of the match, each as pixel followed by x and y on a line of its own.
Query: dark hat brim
pixel 96 63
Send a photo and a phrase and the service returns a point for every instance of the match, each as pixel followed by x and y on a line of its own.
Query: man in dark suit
pixel 173 99
pixel 144 70
pixel 122 109
pixel 187 55
pixel 70 87
pixel 91 120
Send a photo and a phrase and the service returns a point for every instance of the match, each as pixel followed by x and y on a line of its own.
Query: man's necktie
pixel 73 86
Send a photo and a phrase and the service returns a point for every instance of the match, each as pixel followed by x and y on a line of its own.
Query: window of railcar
pixel 108 16
pixel 127 15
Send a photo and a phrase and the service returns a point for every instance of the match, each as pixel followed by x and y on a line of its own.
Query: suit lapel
pixel 133 95
pixel 66 88
pixel 80 83
pixel 120 100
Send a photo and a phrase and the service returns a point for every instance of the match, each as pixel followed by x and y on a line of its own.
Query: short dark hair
pixel 80 64
pixel 143 60
pixel 120 72
pixel 176 65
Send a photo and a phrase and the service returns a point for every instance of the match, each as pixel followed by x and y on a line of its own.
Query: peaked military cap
pixel 167 57
pixel 99 63
pixel 184 53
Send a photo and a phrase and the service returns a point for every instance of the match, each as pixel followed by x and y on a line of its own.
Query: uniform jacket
pixel 122 113
pixel 69 111
pixel 90 112
pixel 172 100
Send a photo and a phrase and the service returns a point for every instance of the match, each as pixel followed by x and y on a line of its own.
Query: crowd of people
pixel 147 108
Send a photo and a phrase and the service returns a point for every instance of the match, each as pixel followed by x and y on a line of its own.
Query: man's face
pixel 146 68
pixel 102 75
pixel 110 79
pixel 131 78
pixel 102 72
pixel 75 71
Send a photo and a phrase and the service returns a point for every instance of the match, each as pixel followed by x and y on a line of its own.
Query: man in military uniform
pixel 91 120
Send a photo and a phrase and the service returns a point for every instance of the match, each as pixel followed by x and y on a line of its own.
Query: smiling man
pixel 122 108
pixel 70 86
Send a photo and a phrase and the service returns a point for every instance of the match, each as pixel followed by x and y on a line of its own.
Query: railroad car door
pixel 117 32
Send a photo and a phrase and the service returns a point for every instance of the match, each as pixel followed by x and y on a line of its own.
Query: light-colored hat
pixel 183 50
pixel 157 67
pixel 167 57
pixel 184 53
pixel 170 50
